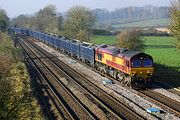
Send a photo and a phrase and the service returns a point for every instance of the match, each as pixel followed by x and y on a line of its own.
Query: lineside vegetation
pixel 16 101
pixel 130 39
pixel 175 21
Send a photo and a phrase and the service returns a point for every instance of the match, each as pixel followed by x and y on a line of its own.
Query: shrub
pixel 130 39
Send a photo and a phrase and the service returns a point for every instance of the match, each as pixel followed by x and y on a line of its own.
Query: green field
pixel 104 39
pixel 162 50
pixel 143 23
pixel 166 57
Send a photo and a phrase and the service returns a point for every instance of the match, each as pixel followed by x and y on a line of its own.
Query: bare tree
pixel 79 22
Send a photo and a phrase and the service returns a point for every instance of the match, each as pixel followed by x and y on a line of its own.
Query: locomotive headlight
pixel 149 74
pixel 134 74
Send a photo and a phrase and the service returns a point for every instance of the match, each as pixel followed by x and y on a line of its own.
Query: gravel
pixel 128 96
pixel 167 93
pixel 98 112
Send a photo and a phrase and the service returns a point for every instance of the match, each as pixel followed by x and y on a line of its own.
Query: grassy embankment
pixel 166 57
pixel 16 100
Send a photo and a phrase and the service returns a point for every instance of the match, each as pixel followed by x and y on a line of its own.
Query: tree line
pixel 79 22
pixel 145 12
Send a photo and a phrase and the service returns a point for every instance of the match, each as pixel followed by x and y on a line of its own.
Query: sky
pixel 17 7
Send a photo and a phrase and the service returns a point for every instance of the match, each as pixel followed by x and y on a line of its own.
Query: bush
pixel 16 101
pixel 102 32
pixel 175 21
pixel 130 39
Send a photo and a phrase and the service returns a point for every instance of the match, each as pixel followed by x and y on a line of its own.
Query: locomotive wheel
pixel 95 67
pixel 120 77
pixel 102 71
pixel 127 81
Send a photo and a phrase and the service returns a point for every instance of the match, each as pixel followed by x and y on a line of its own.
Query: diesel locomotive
pixel 132 68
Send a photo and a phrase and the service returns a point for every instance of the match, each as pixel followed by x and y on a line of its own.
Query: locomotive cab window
pixel 136 63
pixel 99 56
pixel 147 63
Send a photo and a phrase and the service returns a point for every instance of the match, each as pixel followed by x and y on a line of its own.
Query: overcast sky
pixel 17 7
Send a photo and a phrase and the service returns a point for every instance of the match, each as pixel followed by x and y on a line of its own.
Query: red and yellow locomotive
pixel 130 67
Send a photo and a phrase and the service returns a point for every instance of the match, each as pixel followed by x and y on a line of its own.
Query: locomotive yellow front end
pixel 142 69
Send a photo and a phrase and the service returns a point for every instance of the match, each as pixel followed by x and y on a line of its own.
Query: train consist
pixel 133 68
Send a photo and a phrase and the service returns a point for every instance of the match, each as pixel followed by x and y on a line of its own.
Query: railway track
pixel 108 102
pixel 171 105
pixel 39 91
pixel 168 87
pixel 67 103
pixel 33 70
pixel 164 102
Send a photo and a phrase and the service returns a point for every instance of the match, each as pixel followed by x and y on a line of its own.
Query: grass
pixel 166 57
pixel 162 50
pixel 144 23
pixel 103 39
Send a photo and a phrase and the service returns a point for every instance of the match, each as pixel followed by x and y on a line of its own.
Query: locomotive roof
pixel 119 52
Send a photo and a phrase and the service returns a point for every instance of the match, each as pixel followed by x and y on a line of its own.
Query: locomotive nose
pixel 142 72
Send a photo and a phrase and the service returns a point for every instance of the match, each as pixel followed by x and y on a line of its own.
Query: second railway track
pixel 71 106
pixel 164 102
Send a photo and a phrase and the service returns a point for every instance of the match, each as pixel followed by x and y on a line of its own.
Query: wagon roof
pixel 119 52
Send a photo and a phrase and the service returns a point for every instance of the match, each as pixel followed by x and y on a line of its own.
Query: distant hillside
pixel 132 17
